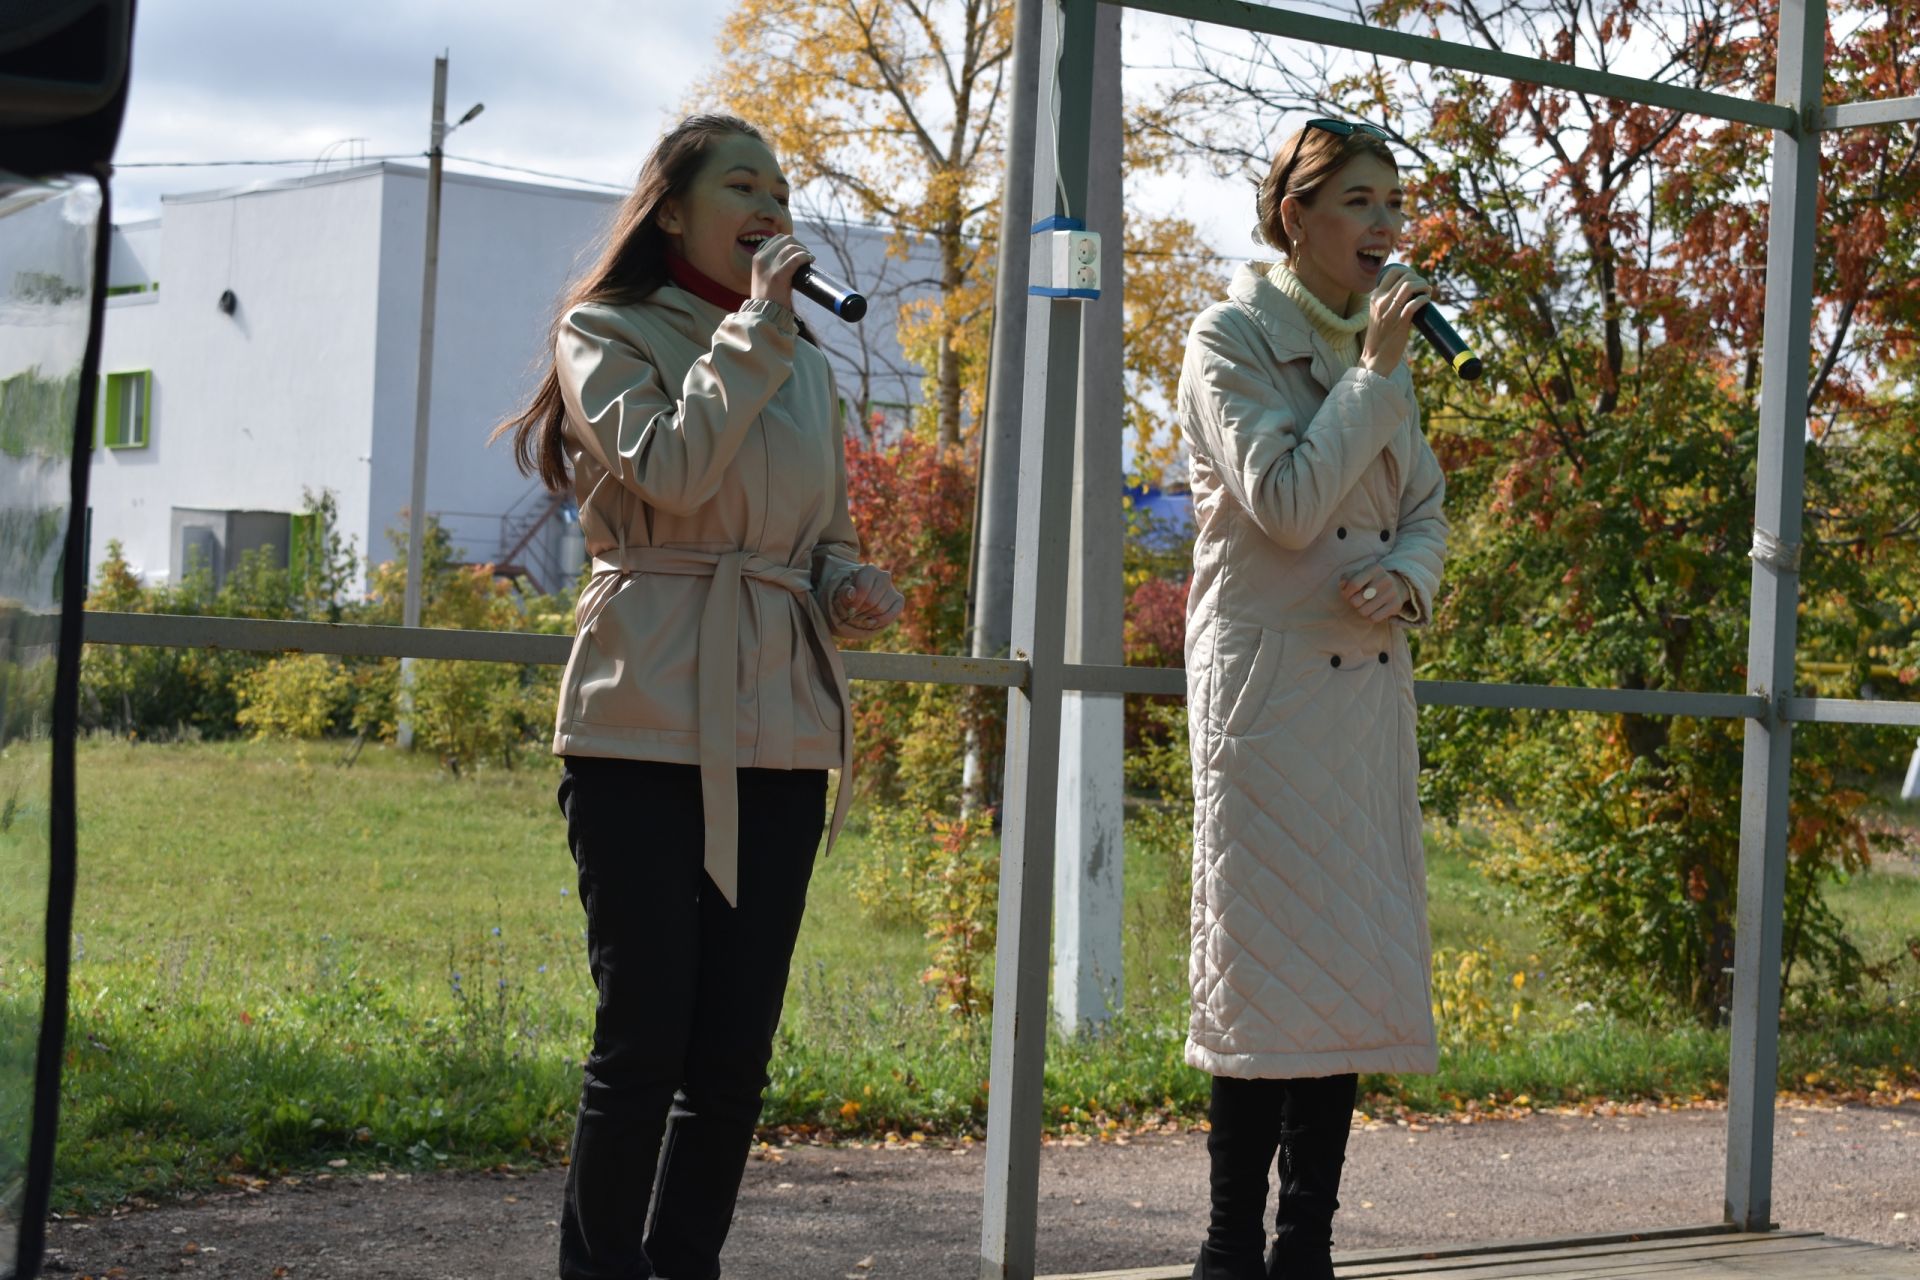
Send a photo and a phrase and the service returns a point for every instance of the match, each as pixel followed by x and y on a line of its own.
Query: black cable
pixel 62 856
pixel 227 164
pixel 540 173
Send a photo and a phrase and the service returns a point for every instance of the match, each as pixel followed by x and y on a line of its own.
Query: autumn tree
pixel 894 105
pixel 893 110
pixel 1611 258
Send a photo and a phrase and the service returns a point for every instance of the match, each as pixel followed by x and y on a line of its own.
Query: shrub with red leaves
pixel 913 504
pixel 1157 623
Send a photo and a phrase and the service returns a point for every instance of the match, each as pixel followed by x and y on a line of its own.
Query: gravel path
pixel 911 1211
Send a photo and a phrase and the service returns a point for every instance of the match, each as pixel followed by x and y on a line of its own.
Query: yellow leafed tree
pixel 896 106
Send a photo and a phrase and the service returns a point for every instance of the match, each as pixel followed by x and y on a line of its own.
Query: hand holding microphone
pixel 782 268
pixel 1405 301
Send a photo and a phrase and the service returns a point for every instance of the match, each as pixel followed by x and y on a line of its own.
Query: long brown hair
pixel 1301 167
pixel 630 268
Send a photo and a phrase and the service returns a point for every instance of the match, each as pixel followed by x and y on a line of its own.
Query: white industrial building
pixel 262 343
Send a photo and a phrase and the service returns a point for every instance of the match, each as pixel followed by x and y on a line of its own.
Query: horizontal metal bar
pixel 187 631
pixel 1728 706
pixel 1851 711
pixel 1313 29
pixel 1860 115
pixel 935 668
pixel 1545 697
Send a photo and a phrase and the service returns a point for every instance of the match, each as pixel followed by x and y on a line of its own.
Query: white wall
pixel 135 259
pixel 311 383
pixel 507 251
pixel 249 409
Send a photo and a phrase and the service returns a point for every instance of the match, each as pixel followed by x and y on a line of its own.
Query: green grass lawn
pixel 282 963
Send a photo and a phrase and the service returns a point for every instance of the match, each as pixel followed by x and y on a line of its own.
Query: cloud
pixel 584 88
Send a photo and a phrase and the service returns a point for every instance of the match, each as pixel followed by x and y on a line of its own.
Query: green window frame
pixel 126 409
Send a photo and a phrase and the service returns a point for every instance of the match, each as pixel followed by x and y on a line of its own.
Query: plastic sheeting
pixel 47 235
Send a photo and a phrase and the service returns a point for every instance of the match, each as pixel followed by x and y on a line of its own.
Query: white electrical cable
pixel 1059 57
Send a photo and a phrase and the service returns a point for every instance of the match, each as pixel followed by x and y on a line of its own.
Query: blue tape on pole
pixel 1047 291
pixel 1058 223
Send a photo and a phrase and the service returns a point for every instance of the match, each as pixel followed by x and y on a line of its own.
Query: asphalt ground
pixel 913 1210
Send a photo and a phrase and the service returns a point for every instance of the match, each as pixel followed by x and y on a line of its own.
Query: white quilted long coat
pixel 1310 949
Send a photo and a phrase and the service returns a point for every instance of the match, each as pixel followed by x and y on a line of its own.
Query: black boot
pixel 1245 1120
pixel 1313 1149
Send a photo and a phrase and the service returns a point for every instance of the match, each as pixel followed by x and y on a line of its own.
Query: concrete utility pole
pixel 991 626
pixel 1087 911
pixel 423 396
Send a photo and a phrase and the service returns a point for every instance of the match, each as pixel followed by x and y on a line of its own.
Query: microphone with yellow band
pixel 1452 347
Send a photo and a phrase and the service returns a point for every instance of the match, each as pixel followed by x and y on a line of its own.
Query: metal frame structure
pixel 1037 676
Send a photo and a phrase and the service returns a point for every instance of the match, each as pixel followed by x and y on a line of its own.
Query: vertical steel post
pixel 1088 920
pixel 992 583
pixel 990 577
pixel 423 398
pixel 1778 501
pixel 1050 402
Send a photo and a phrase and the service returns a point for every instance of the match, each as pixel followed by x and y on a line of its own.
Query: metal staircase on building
pixel 528 548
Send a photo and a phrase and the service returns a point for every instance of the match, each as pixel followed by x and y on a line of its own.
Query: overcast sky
pixel 581 89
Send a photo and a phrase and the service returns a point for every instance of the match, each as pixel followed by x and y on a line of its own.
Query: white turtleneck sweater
pixel 1341 332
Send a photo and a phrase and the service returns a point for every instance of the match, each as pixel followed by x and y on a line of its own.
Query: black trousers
pixel 1304 1122
pixel 689 997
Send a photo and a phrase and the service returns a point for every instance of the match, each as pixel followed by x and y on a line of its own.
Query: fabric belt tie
pixel 718 696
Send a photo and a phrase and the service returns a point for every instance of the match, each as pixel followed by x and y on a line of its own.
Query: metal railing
pixel 258 635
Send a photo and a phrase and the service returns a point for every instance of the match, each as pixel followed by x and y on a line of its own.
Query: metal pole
pixel 423 396
pixel 1088 917
pixel 1010 1207
pixel 991 579
pixel 1771 637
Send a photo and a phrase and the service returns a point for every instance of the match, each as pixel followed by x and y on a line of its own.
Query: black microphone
pixel 830 293
pixel 1452 347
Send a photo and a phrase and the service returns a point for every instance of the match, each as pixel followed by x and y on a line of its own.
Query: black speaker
pixel 63 82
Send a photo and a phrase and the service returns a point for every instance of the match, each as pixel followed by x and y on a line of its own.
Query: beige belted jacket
pixel 1310 951
pixel 707 463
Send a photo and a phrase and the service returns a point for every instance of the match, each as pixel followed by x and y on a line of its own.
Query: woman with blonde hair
pixel 1320 540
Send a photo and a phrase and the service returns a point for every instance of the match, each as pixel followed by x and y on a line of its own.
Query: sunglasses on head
pixel 1341 128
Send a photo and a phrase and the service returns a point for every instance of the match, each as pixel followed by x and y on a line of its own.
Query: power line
pixel 225 164
pixel 539 173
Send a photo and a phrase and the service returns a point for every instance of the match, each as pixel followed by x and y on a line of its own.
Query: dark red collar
pixel 701 285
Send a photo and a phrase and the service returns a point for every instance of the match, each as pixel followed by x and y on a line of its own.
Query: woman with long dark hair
pixel 699 430
pixel 1320 540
